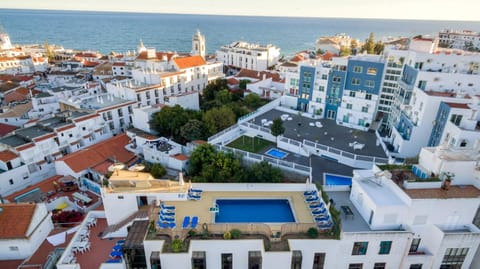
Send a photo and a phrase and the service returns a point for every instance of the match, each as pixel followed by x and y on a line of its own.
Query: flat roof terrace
pixel 330 134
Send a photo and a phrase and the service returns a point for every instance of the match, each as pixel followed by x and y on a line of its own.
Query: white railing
pixel 217 135
pixel 267 107
pixel 301 169
pixel 354 160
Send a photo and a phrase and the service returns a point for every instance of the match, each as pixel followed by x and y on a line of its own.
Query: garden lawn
pixel 245 143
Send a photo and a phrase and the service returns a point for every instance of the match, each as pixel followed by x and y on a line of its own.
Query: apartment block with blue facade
pixel 312 85
pixel 360 94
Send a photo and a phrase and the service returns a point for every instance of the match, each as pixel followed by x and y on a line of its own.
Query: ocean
pixel 120 32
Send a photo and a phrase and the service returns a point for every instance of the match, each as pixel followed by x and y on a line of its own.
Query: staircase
pixel 140 214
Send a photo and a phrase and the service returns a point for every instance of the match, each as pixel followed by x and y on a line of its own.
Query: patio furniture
pixel 311 124
pixel 118 248
pixel 318 124
pixel 186 221
pixel 114 254
pixel 81 197
pixel 290 118
pixel 194 222
pixel 163 206
pixel 113 261
pixel 358 146
pixel 347 211
pixel 352 144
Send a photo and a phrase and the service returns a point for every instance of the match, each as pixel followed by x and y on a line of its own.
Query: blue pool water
pixel 18 198
pixel 254 210
pixel 276 153
pixel 337 180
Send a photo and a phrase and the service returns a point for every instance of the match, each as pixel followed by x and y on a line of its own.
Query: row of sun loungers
pixel 194 194
pixel 166 217
pixel 186 222
pixel 318 210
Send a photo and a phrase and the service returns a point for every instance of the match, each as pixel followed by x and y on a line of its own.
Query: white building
pixel 335 43
pixel 464 40
pixel 142 115
pixel 198 44
pixel 24 227
pixel 5 43
pixel 241 55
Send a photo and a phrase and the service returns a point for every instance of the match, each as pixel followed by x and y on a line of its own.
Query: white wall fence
pixel 265 108
pixel 225 134
pixel 284 165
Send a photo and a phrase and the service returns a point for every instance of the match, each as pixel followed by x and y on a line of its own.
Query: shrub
pixel 192 233
pixel 205 234
pixel 236 233
pixel 177 245
pixel 227 235
pixel 312 232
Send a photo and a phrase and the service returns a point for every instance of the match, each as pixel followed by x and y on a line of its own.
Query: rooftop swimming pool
pixel 337 180
pixel 254 211
pixel 276 153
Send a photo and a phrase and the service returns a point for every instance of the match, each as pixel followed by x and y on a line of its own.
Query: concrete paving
pixel 330 134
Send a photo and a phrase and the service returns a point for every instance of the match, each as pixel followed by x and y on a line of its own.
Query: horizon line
pixel 233 15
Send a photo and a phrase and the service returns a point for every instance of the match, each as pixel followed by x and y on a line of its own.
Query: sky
pixel 393 9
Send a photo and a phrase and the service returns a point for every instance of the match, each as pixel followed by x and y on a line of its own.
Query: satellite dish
pixel 116 166
pixel 137 168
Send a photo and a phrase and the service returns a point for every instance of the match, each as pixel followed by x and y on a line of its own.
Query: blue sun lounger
pixel 194 222
pixel 322 219
pixel 325 225
pixel 312 199
pixel 308 193
pixel 167 207
pixel 166 219
pixel 167 213
pixel 316 205
pixel 196 190
pixel 186 221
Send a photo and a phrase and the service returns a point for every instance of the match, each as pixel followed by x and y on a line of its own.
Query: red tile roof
pixel 113 148
pixel 258 75
pixel 91 116
pixel 7 155
pixel 189 62
pixel 180 157
pixel 102 167
pixel 456 105
pixel 26 146
pixel 327 56
pixel 118 64
pixel 6 129
pixel 44 137
pixel 66 127
pixel 90 64
pixel 232 81
pixel 297 58
pixel 15 220
pixel 159 56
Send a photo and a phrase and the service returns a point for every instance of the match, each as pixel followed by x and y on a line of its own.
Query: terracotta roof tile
pixel 15 220
pixel 66 127
pixel 258 75
pixel 98 153
pixel 26 146
pixel 456 105
pixel 6 129
pixel 159 56
pixel 44 137
pixel 7 155
pixel 189 62
pixel 180 157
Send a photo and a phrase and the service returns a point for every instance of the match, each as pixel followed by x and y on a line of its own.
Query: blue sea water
pixel 110 31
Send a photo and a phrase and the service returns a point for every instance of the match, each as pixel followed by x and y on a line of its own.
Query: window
pixel 318 100
pixel 355 266
pixel 369 83
pixel 416 266
pixel 10 181
pixel 345 118
pixel 349 106
pixel 296 259
pixel 227 261
pixel 318 260
pixel 321 88
pixel 364 109
pixel 13 248
pixel 385 247
pixel 324 76
pixel 360 248
pixel 352 94
pixel 454 258
pixel 379 265
pixel 357 69
pixel 372 71
pixel 456 119
pixel 337 79
pixel 254 260
pixel 414 245
pixel 361 122
pixel 120 197
pixel 368 96
pixel 355 81
pixel 155 262
pixel 198 260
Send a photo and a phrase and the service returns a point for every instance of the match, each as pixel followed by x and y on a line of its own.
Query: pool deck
pixel 201 208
